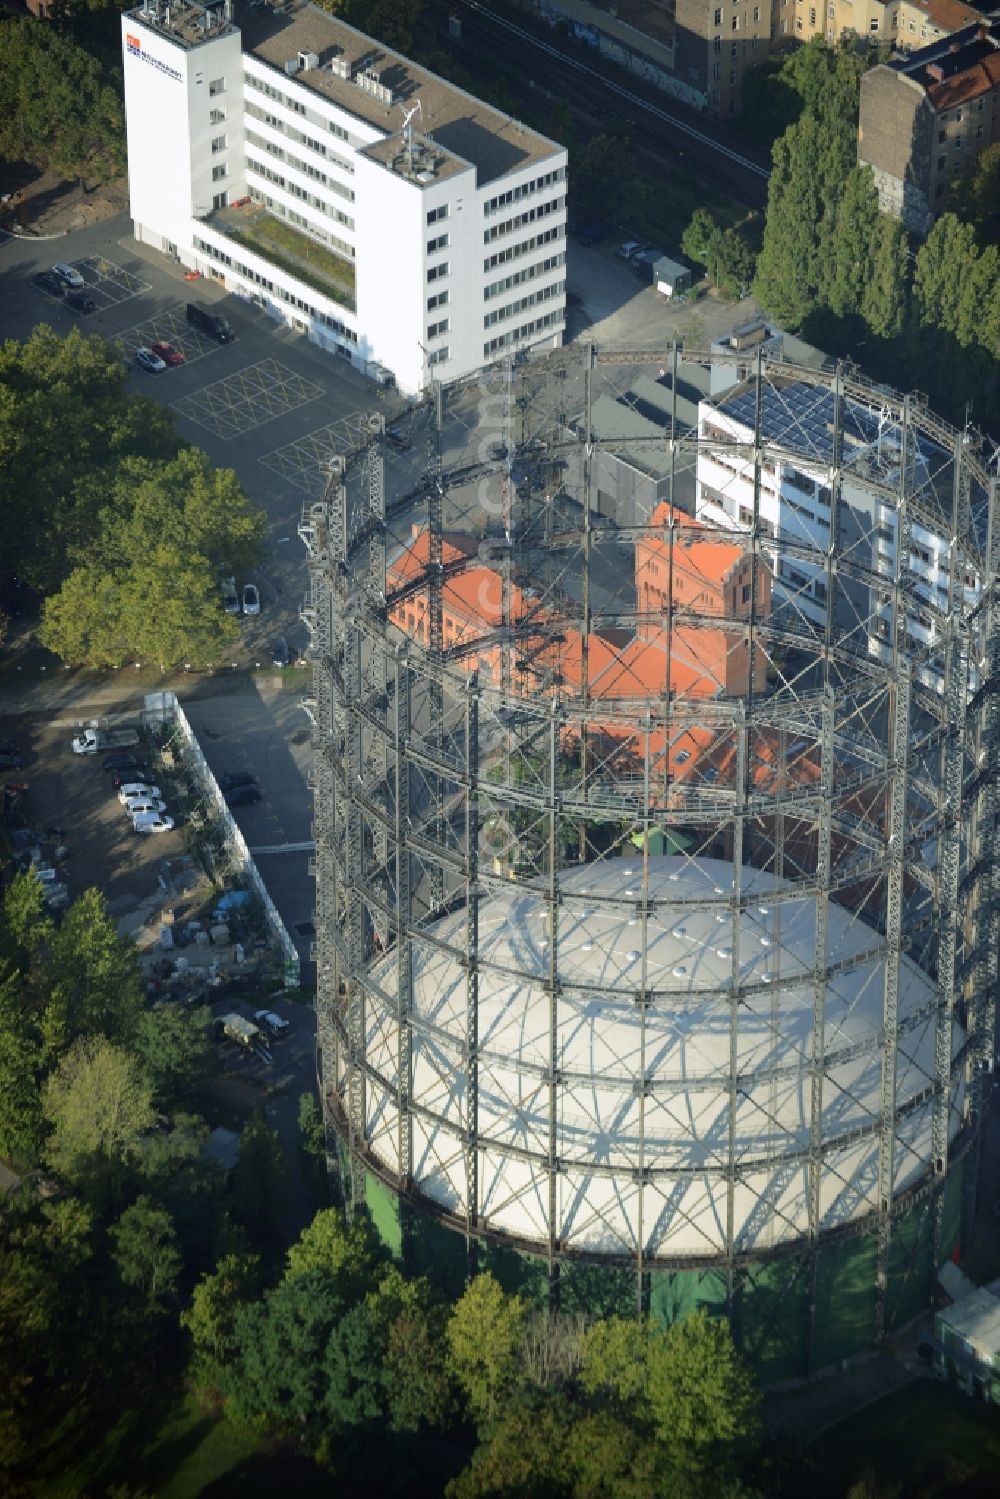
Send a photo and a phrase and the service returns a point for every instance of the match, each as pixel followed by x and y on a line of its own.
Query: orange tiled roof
pixel 713 560
pixel 979 79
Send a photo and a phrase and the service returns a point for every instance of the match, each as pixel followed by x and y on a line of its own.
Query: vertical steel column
pixel 743 772
pixel 435 640
pixel 894 854
pixel 379 765
pixel 404 920
pixel 641 1083
pixel 471 960
pixel 817 1056
pixel 821 957
pixel 585 611
pixel 506 647
pixel 985 849
pixel 552 980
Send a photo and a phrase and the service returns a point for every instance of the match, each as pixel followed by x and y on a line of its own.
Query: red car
pixel 169 353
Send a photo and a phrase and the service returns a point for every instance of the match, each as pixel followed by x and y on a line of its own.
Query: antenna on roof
pixel 414 109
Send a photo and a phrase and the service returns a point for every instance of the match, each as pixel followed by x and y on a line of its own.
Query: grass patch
pixel 928 1422
pixel 182 1450
pixel 301 256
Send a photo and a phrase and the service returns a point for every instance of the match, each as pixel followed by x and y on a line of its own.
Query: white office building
pixel 795 498
pixel 392 217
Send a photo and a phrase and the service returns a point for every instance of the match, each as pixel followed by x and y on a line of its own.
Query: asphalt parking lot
pixel 247 403
pixel 72 804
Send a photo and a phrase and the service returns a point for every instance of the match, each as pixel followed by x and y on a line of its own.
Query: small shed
pixel 222 1148
pixel 670 277
pixel 967 1339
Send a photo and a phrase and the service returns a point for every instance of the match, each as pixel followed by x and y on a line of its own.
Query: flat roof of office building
pixel 462 125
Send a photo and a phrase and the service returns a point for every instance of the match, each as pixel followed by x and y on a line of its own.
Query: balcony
pixel 289 250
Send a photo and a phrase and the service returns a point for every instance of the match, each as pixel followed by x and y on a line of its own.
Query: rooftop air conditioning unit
pixel 308 60
pixel 340 66
pixel 292 66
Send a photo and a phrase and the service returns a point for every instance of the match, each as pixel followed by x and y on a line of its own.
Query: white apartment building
pixel 795 504
pixel 395 219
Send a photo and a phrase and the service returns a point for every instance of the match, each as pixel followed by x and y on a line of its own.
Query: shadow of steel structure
pixel 645 991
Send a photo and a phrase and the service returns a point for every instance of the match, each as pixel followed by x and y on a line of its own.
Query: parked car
pixel 122 760
pixel 136 804
pixel 45 281
pixel 236 778
pixel 630 248
pixel 209 322
pixel 137 788
pixel 230 598
pixel 69 275
pixel 169 353
pixel 242 796
pixel 139 775
pixel 147 360
pixel 80 302
pixel 279 651
pixel 398 440
pixel 251 598
pixel 151 822
pixel 276 1024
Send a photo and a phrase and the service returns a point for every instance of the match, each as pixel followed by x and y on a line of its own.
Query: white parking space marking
pixel 249 399
pixel 109 283
pixel 303 463
pixel 170 326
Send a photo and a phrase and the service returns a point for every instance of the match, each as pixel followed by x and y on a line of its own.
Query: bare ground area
pixel 41 204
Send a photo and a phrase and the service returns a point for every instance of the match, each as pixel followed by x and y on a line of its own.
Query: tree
pixel 699 238
pixel 278 1374
pixel 603 178
pixel 176 1053
pixel 210 1321
pixel 348 1253
pixel 83 622
pixel 813 161
pixel 59 108
pixel 702 1399
pixel 21 1125
pixel 852 244
pixel 146 1254
pixel 260 1188
pixel 686 1386
pixel 613 1363
pixel 975 195
pixel 483 1337
pixel 312 1144
pixel 352 1367
pixel 883 304
pixel 524 1454
pixel 93 976
pixel 99 1106
pixel 410 1351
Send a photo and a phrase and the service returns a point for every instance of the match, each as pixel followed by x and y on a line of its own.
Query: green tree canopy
pixel 483 1337
pixel 146 1254
pixel 177 1053
pixel 348 1253
pixel 278 1375
pixel 60 108
pixel 260 1186
pixel 95 986
pixel 210 1320
pixel 99 1106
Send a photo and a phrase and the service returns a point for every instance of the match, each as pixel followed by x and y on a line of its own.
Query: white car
pixel 152 363
pixel 69 274
pixel 272 1022
pixel 151 822
pixel 137 788
pixel 251 599
pixel 144 804
pixel 629 248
